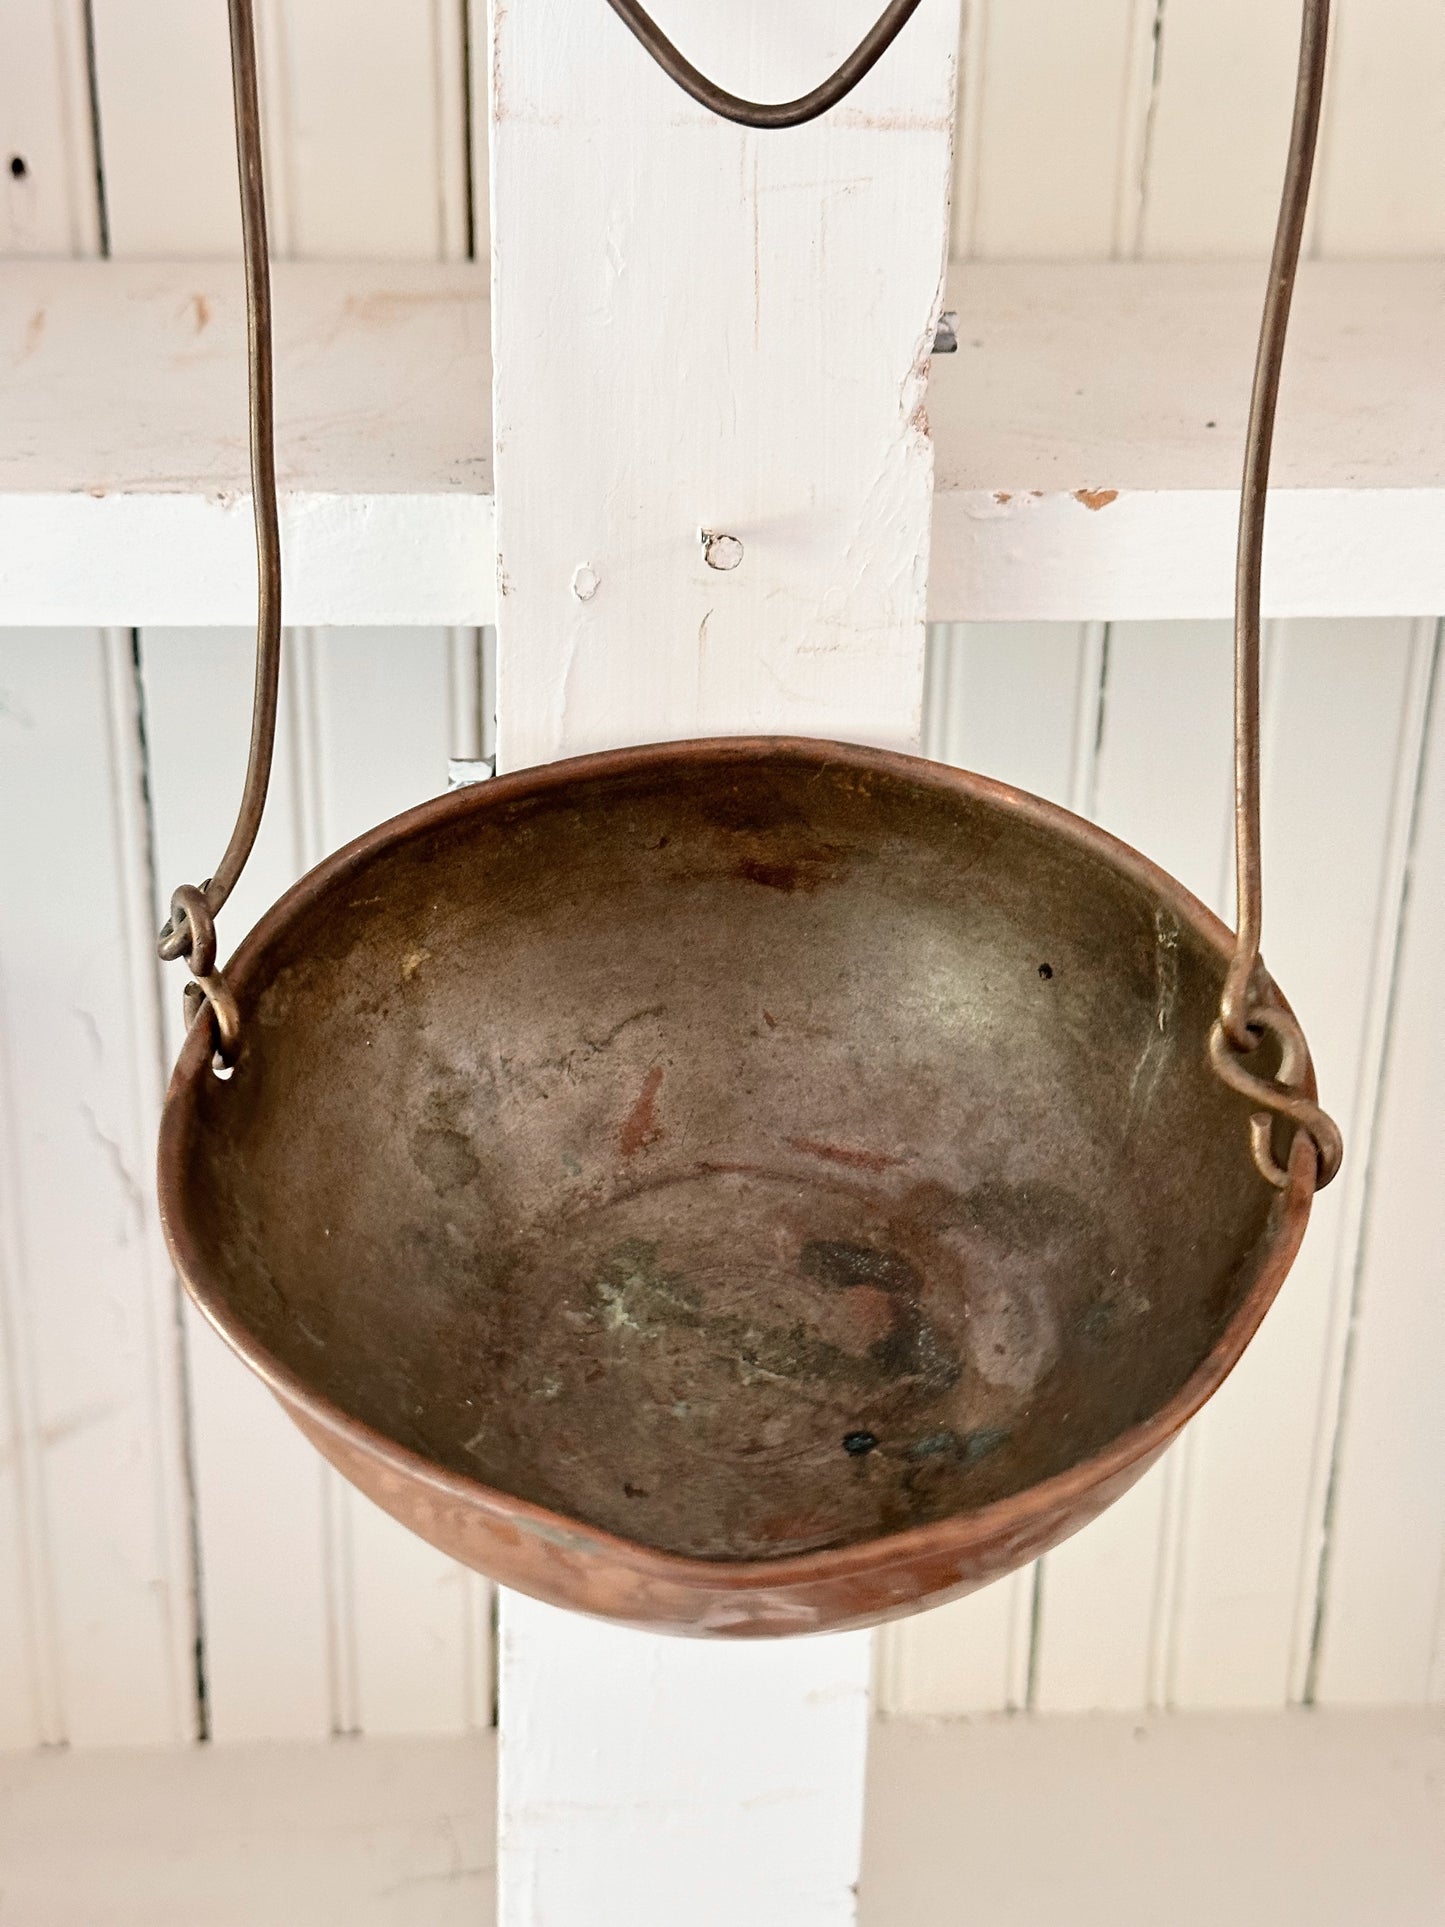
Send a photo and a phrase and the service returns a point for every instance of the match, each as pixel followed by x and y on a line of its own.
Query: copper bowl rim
pixel 955 1537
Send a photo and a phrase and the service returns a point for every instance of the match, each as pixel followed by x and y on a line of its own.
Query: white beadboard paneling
pixel 90 1312
pixel 31 1711
pixel 1016 701
pixel 478 40
pixel 791 417
pixel 366 143
pixel 48 198
pixel 1043 154
pixel 321 1614
pixel 1220 127
pixel 972 1656
pixel 1344 705
pixel 1382 159
pixel 1163 785
pixel 1006 699
pixel 1383 1634
pixel 260 1489
pixel 163 92
pixel 368 127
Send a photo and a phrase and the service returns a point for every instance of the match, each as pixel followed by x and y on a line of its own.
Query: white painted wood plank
pixel 657 1781
pixel 48 201
pixel 1336 1819
pixel 1053 114
pixel 708 1784
pixel 367 1833
pixel 1382 155
pixel 122 437
pixel 90 1324
pixel 1220 127
pixel 1344 708
pixel 844 627
pixel 1005 699
pixel 1384 1624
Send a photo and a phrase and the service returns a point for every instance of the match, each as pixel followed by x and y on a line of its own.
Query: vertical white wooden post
pixel 698 328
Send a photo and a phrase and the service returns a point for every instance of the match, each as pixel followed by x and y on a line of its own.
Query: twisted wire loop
pixel 756 113
pixel 1245 1019
pixel 190 930
pixel 1282 1096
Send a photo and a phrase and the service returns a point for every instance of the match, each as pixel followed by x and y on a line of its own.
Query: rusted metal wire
pixel 1245 1019
pixel 190 930
pixel 754 113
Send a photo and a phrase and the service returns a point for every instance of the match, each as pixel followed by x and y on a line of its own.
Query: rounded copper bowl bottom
pixel 733 1187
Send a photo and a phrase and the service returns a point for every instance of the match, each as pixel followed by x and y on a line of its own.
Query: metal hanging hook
pixel 190 930
pixel 755 113
pixel 1245 1019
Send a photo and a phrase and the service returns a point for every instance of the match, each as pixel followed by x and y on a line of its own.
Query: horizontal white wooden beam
pixel 1258 1818
pixel 124 490
pixel 1088 436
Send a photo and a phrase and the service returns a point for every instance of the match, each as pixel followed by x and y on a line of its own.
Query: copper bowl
pixel 735 1187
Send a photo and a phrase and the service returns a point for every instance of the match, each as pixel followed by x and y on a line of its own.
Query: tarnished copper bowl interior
pixel 746 1150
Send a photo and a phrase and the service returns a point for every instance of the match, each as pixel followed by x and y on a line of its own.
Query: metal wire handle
pixel 755 113
pixel 1246 1016
pixel 190 930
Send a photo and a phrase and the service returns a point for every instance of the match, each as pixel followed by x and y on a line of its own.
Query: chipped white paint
pixel 1090 433
pixel 779 410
